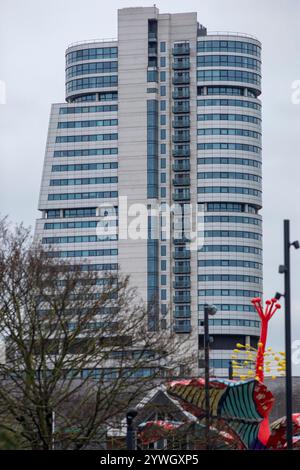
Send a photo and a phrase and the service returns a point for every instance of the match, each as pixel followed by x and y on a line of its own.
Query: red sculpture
pixel 271 307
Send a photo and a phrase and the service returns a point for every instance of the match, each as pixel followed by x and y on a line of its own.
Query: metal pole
pixel 130 435
pixel 206 364
pixel 230 371
pixel 287 297
pixel 53 430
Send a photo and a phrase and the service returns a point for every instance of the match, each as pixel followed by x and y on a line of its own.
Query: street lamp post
pixel 285 269
pixel 130 435
pixel 230 370
pixel 208 310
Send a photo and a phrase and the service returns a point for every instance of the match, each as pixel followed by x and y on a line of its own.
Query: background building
pixel 166 113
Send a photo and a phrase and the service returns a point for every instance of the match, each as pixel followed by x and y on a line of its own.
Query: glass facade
pixel 198 140
pixel 152 148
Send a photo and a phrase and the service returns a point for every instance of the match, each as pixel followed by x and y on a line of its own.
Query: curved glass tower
pixel 166 114
pixel 229 186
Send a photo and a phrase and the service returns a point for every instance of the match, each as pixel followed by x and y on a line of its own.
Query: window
pixel 89 212
pixel 228 146
pixel 108 95
pixel 77 224
pixel 232 46
pixel 163 177
pixel 83 181
pixel 163 149
pixel 78 239
pixel 228 175
pixel 85 152
pixel 92 82
pixel 85 98
pixel 53 213
pixel 84 253
pixel 88 109
pixel 85 166
pixel 163 192
pixel 232 234
pixel 100 267
pixel 163 294
pixel 163 119
pixel 232 308
pixel 92 195
pixel 152 148
pixel 85 138
pixel 228 190
pixel 228 61
pixel 152 76
pixel 163 280
pixel 163 105
pixel 163 250
pixel 228 293
pixel 163 163
pixel 163 61
pixel 91 67
pixel 92 123
pixel 228 161
pixel 163 90
pixel 162 47
pixel 225 131
pixel 162 76
pixel 228 76
pixel 229 278
pixel 163 134
pixel 231 219
pixel 231 249
pixel 229 102
pixel 228 117
pixel 92 53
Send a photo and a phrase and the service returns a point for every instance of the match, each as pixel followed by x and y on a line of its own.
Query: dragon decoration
pixel 239 409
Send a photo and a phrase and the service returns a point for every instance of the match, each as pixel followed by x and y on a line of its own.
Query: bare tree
pixel 78 351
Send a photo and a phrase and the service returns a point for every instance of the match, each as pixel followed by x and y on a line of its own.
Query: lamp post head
pixel 211 309
pixel 296 244
pixel 130 415
pixel 282 269
pixel 278 296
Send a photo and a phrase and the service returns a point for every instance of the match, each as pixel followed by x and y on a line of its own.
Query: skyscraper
pixel 166 114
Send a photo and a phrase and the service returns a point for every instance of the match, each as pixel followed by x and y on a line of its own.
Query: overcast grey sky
pixel 33 38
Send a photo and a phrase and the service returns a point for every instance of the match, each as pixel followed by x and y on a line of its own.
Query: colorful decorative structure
pixel 152 431
pixel 239 410
pixel 277 439
pixel 240 406
pixel 189 432
pixel 265 315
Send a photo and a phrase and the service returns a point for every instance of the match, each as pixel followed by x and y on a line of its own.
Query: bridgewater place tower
pixel 165 114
